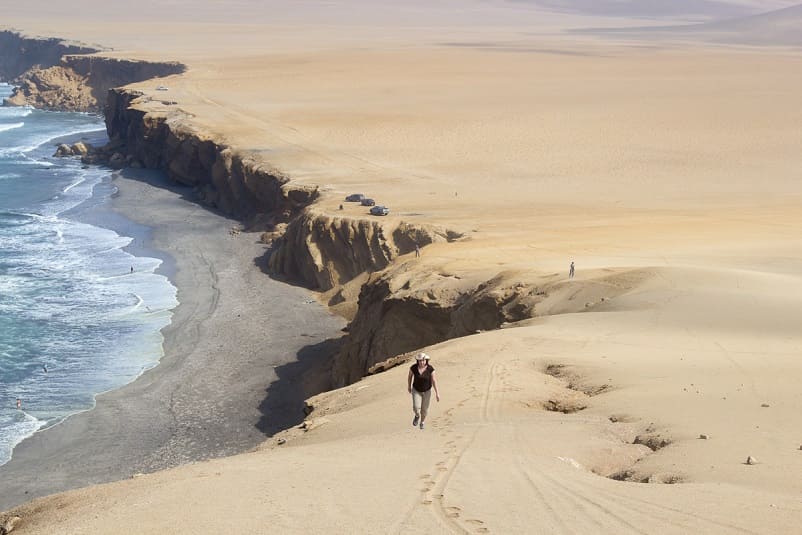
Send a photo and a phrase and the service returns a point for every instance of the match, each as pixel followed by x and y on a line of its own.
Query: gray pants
pixel 420 403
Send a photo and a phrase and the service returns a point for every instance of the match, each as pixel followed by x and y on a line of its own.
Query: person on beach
pixel 417 251
pixel 19 403
pixel 571 270
pixel 132 269
pixel 420 382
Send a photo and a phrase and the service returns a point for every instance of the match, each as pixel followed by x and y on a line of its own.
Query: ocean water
pixel 75 320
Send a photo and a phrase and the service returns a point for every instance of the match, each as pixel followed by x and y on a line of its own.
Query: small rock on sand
pixel 703 436
pixel 9 525
pixel 751 460
pixel 765 405
pixel 281 441
pixel 314 423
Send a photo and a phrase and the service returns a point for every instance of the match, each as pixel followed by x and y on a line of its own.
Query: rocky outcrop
pixel 55 75
pixel 81 83
pixel 18 53
pixel 403 308
pixel 323 251
pixel 55 88
pixel 76 149
pixel 163 138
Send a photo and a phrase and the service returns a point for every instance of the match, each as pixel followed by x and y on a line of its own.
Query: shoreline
pixel 191 406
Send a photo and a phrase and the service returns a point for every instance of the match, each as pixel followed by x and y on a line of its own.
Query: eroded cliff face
pixel 54 88
pixel 81 83
pixel 18 53
pixel 165 138
pixel 405 308
pixel 402 307
pixel 54 75
pixel 323 251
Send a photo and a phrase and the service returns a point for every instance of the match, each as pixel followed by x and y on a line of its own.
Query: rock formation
pixel 54 75
pixel 403 308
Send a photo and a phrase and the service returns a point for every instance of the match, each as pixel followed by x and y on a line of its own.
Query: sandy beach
pixel 216 390
pixel 654 392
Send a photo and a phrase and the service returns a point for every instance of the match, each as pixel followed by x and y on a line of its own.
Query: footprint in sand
pixel 482 530
pixel 427 502
pixel 474 521
pixel 425 476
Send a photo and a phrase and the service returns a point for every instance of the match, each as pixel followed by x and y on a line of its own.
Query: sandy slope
pixel 671 176
pixel 492 460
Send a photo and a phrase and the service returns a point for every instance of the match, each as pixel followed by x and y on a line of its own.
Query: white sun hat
pixel 422 356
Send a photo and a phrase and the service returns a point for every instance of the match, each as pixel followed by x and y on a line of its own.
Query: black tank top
pixel 422 382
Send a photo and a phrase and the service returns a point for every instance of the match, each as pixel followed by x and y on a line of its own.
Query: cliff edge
pixel 53 74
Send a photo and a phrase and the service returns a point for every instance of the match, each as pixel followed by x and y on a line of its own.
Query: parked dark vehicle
pixel 368 202
pixel 379 210
pixel 355 197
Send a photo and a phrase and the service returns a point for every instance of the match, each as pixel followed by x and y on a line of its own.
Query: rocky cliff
pixel 405 308
pixel 164 138
pixel 18 53
pixel 51 74
pixel 323 251
pixel 401 307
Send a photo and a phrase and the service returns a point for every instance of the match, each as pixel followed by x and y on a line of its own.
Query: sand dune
pixel 670 174
pixel 493 460
pixel 773 28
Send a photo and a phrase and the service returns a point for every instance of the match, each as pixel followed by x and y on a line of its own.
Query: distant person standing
pixel 19 403
pixel 420 382
pixel 132 269
pixel 571 270
pixel 417 251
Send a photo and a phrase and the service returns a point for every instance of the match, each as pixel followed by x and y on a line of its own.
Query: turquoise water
pixel 75 320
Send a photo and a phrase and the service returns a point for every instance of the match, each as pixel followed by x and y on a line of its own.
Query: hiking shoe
pixel 421 425
pixel 415 421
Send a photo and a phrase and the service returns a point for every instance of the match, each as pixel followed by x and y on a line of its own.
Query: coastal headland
pixel 653 392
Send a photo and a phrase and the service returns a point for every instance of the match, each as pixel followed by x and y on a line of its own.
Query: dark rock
pixel 63 150
pixel 117 161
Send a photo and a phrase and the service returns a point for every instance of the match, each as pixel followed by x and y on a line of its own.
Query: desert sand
pixel 668 170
